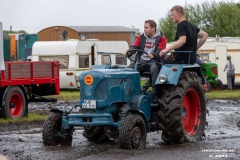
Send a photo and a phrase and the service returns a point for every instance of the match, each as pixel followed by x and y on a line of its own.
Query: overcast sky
pixel 35 15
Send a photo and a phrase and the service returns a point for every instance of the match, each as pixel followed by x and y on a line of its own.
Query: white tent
pixel 2 66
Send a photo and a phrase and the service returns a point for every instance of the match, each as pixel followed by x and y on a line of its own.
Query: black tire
pixel 132 127
pixel 95 134
pixel 207 86
pixel 175 128
pixel 15 104
pixel 53 134
pixel 219 85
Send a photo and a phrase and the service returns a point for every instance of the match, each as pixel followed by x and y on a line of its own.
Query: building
pixel 103 33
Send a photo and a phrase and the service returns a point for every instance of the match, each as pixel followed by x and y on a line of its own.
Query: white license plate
pixel 89 104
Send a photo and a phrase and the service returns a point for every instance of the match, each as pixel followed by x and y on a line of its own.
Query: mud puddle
pixel 222 141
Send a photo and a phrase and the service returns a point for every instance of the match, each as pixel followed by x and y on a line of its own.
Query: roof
pixel 87 29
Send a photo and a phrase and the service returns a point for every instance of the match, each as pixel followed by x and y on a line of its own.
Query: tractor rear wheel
pixel 218 86
pixel 132 133
pixel 207 86
pixel 95 134
pixel 183 110
pixel 15 104
pixel 53 134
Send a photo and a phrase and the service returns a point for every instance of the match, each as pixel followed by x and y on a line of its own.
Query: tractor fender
pixel 174 71
pixel 141 104
pixel 143 116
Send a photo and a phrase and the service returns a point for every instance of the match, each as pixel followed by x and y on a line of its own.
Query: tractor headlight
pixel 162 78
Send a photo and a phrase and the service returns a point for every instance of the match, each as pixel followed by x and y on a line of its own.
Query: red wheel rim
pixel 136 137
pixel 206 87
pixel 191 112
pixel 16 104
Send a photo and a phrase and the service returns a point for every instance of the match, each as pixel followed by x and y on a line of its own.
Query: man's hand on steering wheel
pixel 150 55
pixel 127 53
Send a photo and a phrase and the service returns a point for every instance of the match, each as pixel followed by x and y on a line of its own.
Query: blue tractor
pixel 114 106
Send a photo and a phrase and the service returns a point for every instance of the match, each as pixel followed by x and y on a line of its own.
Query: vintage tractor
pixel 114 106
pixel 210 72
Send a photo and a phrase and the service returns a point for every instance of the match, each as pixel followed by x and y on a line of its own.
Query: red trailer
pixel 24 82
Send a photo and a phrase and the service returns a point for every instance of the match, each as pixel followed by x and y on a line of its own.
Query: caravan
pixel 76 56
pixel 217 52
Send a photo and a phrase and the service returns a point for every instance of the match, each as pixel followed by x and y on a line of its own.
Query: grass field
pixel 68 95
pixel 224 94
pixel 31 118
pixel 74 95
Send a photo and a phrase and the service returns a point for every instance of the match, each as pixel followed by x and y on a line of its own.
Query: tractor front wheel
pixel 53 134
pixel 132 132
pixel 183 110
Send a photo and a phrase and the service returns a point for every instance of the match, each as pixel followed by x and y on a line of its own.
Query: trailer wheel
pixel 53 134
pixel 132 133
pixel 183 110
pixel 15 103
pixel 95 134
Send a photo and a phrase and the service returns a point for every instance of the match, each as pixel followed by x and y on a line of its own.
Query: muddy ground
pixel 222 140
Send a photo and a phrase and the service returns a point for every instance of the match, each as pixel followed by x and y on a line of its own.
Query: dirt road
pixel 222 141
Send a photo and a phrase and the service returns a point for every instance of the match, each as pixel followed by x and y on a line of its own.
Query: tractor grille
pixel 101 90
pixel 104 86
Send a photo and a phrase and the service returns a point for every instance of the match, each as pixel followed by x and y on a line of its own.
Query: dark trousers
pixel 233 81
pixel 153 67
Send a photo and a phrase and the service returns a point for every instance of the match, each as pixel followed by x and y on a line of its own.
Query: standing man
pixel 185 40
pixel 230 72
pixel 151 42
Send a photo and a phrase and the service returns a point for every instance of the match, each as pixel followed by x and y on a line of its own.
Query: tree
pixel 15 32
pixel 215 18
pixel 168 28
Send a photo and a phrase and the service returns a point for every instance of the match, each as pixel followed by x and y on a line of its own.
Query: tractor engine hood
pixel 108 86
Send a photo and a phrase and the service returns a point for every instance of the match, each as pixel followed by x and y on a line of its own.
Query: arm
pixel 135 45
pixel 179 43
pixel 161 45
pixel 225 67
pixel 203 37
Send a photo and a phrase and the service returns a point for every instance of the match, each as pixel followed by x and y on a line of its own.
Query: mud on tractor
pixel 114 106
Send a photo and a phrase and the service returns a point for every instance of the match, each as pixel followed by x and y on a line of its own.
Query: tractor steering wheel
pixel 137 54
pixel 138 50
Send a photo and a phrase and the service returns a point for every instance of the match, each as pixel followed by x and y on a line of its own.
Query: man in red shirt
pixel 152 42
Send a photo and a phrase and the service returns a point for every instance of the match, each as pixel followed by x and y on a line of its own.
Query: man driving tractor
pixel 151 42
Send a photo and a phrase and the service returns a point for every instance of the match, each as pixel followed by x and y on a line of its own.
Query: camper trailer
pixel 217 52
pixel 76 56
